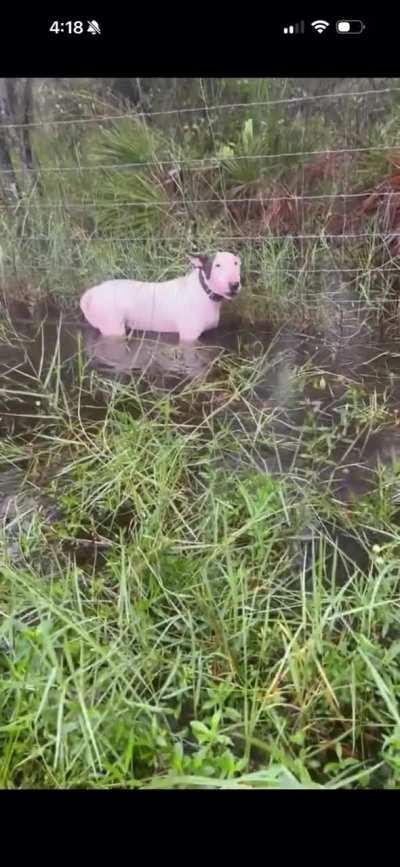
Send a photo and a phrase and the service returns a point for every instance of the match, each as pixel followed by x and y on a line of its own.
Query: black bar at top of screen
pixel 130 45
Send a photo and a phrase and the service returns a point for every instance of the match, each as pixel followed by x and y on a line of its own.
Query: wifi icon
pixel 320 26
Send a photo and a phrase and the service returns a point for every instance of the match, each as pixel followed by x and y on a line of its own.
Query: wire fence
pixel 199 163
pixel 264 229
pixel 318 236
pixel 294 198
pixel 294 101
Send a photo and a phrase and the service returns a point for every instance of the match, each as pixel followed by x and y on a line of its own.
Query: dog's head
pixel 221 273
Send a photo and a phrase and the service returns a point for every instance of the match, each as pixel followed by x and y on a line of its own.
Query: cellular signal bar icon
pixel 294 28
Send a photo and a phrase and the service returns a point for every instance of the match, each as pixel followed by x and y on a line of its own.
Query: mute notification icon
pixel 93 28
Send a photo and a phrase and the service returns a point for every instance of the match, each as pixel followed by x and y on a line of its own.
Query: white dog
pixel 186 306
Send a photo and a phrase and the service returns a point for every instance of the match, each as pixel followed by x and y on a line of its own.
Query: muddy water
pixel 301 377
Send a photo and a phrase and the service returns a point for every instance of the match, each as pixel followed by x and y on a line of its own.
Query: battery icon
pixel 350 26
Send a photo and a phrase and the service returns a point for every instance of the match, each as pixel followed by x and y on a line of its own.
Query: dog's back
pixel 144 306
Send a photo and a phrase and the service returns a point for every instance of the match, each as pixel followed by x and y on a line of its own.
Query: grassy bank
pixel 170 615
pixel 168 620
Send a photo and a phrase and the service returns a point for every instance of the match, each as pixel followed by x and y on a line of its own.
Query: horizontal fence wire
pixel 288 101
pixel 260 200
pixel 265 239
pixel 213 162
pixel 266 270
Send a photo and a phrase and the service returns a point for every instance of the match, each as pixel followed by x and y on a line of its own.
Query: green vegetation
pixel 170 615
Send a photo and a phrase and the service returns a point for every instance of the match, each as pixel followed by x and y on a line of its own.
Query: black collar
pixel 212 295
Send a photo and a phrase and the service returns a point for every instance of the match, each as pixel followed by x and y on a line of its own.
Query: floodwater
pixel 304 381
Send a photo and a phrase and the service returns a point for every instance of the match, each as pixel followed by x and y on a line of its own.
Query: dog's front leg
pixel 190 353
pixel 189 339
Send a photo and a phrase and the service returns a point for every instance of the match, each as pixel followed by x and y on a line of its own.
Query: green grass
pixel 170 615
pixel 171 627
pixel 65 233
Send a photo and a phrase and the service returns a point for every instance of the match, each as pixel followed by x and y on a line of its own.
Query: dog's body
pixel 176 306
pixel 186 306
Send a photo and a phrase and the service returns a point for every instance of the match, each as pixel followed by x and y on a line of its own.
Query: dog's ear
pixel 198 260
pixel 203 262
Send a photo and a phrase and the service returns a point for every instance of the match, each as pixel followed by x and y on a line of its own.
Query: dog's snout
pixel 234 287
